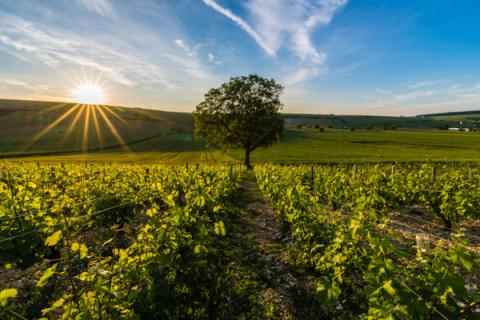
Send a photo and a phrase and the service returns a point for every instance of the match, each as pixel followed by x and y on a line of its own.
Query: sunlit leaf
pixel 6 294
pixel 53 238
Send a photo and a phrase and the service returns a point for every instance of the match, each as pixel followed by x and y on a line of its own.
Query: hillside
pixel 364 122
pixel 468 118
pixel 32 127
pixel 42 128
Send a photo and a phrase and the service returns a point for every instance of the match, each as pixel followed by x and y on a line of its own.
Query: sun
pixel 88 94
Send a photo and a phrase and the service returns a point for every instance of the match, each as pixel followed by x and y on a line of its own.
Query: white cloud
pixel 13 82
pixel 413 95
pixel 301 75
pixel 241 23
pixel 424 83
pixel 382 91
pixel 190 51
pixel 102 7
pixel 116 60
pixel 16 44
pixel 211 57
pixel 290 24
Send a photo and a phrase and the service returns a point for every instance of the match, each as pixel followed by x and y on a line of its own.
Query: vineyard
pixel 155 241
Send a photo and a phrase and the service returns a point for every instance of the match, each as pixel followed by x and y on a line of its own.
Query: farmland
pixel 357 222
pixel 247 160
pixel 126 240
pixel 148 135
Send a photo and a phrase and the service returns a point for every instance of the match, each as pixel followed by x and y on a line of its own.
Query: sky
pixel 385 57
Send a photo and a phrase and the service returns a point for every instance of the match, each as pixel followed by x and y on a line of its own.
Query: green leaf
pixel 387 286
pixel 219 228
pixel 83 251
pixel 151 212
pixel 48 273
pixel 75 246
pixel 53 238
pixel 465 258
pixel 170 200
pixel 57 304
pixel 6 294
pixel 444 297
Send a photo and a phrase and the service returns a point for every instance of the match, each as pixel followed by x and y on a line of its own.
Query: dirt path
pixel 260 266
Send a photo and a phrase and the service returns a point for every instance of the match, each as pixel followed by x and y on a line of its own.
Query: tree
pixel 242 113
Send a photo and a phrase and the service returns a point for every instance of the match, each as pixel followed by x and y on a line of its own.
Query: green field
pixel 34 128
pixel 31 131
pixel 308 145
pixel 334 145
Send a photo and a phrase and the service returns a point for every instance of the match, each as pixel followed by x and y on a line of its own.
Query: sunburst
pixel 88 93
pixel 86 114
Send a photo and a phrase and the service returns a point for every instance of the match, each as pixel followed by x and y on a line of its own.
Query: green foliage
pixel 142 266
pixel 338 217
pixel 162 252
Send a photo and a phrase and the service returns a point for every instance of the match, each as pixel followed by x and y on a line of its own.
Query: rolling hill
pixel 33 128
pixel 67 131
pixel 364 122
pixel 468 118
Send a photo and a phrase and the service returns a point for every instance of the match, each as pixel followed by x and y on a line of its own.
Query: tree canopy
pixel 242 113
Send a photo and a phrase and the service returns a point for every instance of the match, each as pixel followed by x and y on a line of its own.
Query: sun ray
pixel 97 126
pixel 73 124
pixel 119 118
pixel 86 129
pixel 55 107
pixel 51 126
pixel 114 131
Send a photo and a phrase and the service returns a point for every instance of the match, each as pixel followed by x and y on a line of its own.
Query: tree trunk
pixel 247 158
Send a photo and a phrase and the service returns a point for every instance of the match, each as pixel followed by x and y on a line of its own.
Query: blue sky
pixel 333 56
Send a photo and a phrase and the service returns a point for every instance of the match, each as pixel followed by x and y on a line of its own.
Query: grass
pixel 335 145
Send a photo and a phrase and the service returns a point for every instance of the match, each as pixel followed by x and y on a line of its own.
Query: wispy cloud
pixel 13 82
pixel 189 50
pixel 412 95
pixel 241 23
pixel 290 24
pixel 301 75
pixel 116 60
pixel 102 7
pixel 425 83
